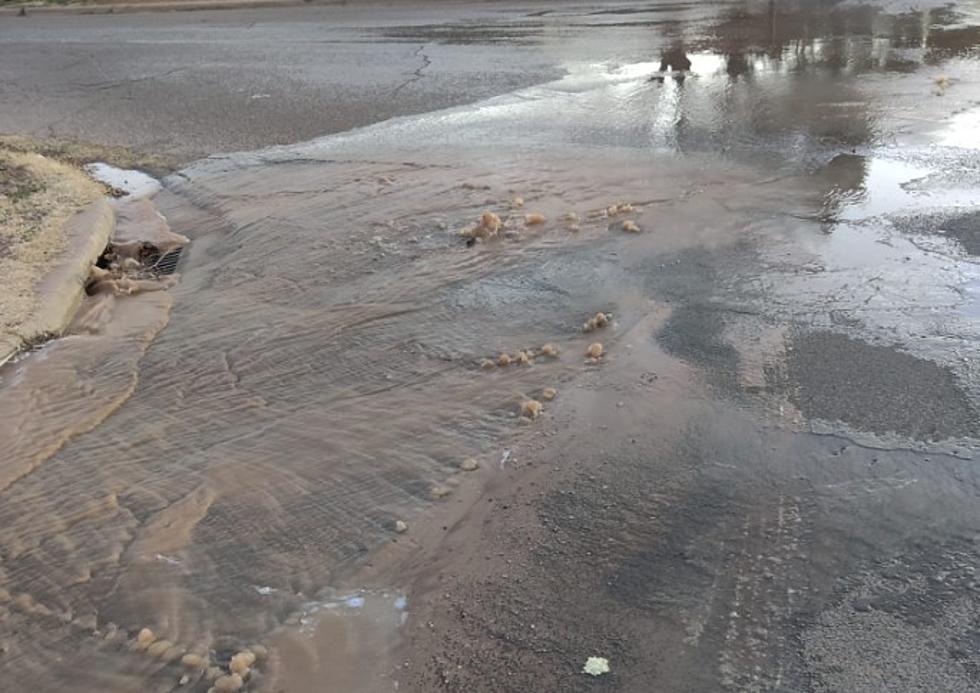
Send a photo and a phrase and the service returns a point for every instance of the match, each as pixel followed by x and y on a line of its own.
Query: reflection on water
pixel 209 461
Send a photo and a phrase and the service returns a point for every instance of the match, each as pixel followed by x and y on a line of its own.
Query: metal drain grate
pixel 168 262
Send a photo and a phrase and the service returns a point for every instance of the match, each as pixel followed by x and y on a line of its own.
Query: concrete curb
pixel 60 291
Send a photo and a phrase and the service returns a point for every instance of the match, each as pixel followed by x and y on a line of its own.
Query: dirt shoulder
pixel 54 221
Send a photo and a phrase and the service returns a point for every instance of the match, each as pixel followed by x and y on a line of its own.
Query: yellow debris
pixel 534 219
pixel 531 408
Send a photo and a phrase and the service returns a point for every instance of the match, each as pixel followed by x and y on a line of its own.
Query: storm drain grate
pixel 168 262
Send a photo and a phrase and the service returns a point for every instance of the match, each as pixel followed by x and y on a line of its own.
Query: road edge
pixel 61 289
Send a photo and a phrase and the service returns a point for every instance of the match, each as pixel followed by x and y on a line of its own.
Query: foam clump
pixel 550 351
pixel 488 364
pixel 518 202
pixel 630 226
pixel 549 393
pixel 531 408
pixel 145 638
pixel 161 649
pixel 228 684
pixel 534 219
pixel 487 227
pixel 469 465
pixel 193 661
pixel 241 663
pixel 523 358
pixel 596 322
pixel 503 360
pixel 440 491
pixel 401 526
pixel 595 351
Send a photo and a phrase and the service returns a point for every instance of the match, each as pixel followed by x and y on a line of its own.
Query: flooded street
pixel 757 471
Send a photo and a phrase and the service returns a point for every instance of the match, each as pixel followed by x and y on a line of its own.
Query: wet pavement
pixel 767 481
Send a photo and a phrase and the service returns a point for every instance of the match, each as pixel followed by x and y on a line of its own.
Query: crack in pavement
pixel 417 74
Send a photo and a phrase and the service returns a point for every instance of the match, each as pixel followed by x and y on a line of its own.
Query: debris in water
pixel 159 648
pixel 612 210
pixel 260 651
pixel 534 219
pixel 183 680
pixel 241 663
pixel 549 393
pixel 228 684
pixel 193 661
pixel 594 351
pixel 145 638
pixel 400 526
pixel 469 465
pixel 626 208
pixel 549 350
pixel 490 221
pixel 503 360
pixel 596 666
pixel 531 408
pixel 488 364
pixel 518 202
pixel 630 226
pixel 213 673
pixel 505 458
pixel 571 217
pixel 440 491
pixel 942 81
pixel 594 323
pixel 522 358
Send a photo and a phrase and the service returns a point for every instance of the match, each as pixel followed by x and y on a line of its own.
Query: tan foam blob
pixel 601 319
pixel 491 222
pixel 228 684
pixel 213 673
pixel 440 491
pixel 523 358
pixel 145 638
pixel 469 465
pixel 401 526
pixel 241 662
pixel 549 393
pixel 518 202
pixel 626 208
pixel 488 364
pixel 503 360
pixel 260 651
pixel 534 219
pixel 589 325
pixel 531 408
pixel 193 661
pixel 159 648
pixel 612 210
pixel 595 351
pixel 550 351
pixel 629 226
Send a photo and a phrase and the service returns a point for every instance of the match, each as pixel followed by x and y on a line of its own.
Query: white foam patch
pixel 136 184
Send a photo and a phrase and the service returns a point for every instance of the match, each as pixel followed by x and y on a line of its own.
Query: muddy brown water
pixel 222 460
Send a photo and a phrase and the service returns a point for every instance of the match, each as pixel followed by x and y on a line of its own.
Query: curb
pixel 60 291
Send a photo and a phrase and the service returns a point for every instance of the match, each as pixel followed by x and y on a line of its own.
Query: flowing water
pixel 217 457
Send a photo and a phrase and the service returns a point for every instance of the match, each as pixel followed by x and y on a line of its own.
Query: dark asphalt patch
pixel 876 389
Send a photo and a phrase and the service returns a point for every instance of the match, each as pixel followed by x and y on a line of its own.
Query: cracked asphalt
pixel 197 83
